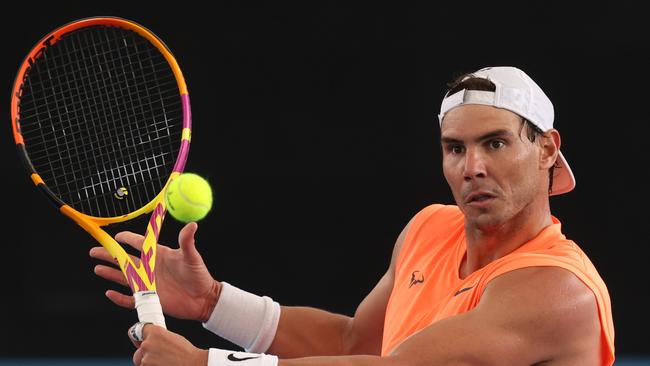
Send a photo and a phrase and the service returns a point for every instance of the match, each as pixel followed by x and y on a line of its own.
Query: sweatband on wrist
pixel 221 357
pixel 245 319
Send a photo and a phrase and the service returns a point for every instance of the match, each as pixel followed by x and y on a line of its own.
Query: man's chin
pixel 484 220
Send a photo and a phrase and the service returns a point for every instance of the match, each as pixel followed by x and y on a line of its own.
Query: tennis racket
pixel 101 119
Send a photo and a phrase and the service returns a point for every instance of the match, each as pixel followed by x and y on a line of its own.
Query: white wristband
pixel 245 319
pixel 220 357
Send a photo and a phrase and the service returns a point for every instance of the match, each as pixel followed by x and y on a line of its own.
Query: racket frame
pixel 140 276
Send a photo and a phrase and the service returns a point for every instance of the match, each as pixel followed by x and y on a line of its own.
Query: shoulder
pixel 558 288
pixel 437 209
pixel 434 214
pixel 437 217
pixel 549 307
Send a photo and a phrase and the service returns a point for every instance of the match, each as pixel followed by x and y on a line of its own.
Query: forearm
pixel 304 331
pixel 354 360
pixel 293 332
pixel 219 357
pixel 258 324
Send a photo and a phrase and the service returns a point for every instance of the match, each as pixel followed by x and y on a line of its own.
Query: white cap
pixel 518 93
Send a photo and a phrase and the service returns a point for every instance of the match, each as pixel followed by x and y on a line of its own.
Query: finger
pixel 188 244
pixel 137 357
pixel 111 274
pixel 120 299
pixel 147 329
pixel 102 254
pixel 130 238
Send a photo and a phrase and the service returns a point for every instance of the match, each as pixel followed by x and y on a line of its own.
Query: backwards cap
pixel 518 93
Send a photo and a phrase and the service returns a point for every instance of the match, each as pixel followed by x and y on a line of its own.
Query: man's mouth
pixel 479 197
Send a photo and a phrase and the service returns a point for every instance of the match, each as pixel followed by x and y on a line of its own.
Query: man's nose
pixel 474 165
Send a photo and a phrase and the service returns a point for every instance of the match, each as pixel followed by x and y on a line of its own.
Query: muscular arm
pixel 304 331
pixel 541 315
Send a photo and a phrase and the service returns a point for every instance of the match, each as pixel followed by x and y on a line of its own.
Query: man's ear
pixel 550 142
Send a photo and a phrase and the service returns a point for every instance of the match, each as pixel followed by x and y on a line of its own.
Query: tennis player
pixel 491 280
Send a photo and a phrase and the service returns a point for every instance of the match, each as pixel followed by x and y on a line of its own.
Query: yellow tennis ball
pixel 188 197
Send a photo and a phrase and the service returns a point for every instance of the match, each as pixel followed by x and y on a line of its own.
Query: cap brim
pixel 563 179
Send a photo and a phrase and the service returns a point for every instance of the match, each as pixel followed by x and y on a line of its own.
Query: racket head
pixel 101 118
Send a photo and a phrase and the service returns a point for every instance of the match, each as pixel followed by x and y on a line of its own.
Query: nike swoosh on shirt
pixel 463 290
pixel 232 357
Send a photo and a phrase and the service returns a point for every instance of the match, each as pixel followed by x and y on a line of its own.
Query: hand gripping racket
pixel 101 119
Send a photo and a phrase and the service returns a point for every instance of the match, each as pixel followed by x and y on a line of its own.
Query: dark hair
pixel 471 82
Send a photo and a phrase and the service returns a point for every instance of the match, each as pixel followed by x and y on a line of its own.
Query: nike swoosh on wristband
pixel 232 357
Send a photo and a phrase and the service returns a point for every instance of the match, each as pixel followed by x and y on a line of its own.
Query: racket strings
pixel 116 179
pixel 84 132
pixel 69 177
pixel 144 63
pixel 136 177
pixel 63 97
pixel 69 70
pixel 133 101
pixel 102 119
pixel 131 168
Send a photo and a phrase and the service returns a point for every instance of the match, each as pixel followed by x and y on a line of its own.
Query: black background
pixel 317 127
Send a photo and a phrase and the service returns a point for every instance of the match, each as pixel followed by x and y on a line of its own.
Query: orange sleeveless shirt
pixel 428 288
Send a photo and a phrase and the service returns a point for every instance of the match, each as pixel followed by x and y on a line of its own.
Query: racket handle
pixel 147 303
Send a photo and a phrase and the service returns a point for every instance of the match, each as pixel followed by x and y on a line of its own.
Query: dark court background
pixel 316 125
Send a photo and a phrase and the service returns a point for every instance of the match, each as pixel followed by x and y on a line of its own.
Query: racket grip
pixel 147 303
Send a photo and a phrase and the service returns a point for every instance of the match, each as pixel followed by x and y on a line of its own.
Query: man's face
pixel 490 164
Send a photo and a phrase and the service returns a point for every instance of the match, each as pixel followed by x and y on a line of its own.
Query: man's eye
pixel 497 144
pixel 456 149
